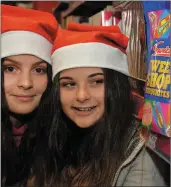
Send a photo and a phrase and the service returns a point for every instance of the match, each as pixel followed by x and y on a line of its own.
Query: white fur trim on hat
pixel 89 55
pixel 25 42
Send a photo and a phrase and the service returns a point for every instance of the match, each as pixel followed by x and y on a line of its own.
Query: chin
pixel 23 111
pixel 84 125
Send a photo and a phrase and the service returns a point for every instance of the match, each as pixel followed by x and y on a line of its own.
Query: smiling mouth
pixel 84 109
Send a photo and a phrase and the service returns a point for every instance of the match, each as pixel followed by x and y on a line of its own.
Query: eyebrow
pixel 90 76
pixel 17 62
pixel 70 78
pixel 95 74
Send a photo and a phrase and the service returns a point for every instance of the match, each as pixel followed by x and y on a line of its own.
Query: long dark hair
pixel 16 162
pixel 70 155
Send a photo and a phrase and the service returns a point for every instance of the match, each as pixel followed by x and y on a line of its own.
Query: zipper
pixel 128 160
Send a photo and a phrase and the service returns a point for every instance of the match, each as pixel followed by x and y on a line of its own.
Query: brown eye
pixel 40 70
pixel 97 82
pixel 9 69
pixel 69 84
pixel 100 81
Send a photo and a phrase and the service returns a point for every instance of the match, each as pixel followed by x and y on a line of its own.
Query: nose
pixel 83 95
pixel 25 81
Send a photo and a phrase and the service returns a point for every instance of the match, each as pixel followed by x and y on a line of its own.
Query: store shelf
pixel 78 8
pixel 160 145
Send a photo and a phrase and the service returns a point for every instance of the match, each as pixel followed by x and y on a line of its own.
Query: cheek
pixel 40 85
pixel 9 82
pixel 66 98
pixel 99 96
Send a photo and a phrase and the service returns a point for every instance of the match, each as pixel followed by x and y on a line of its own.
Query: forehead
pixel 23 59
pixel 77 72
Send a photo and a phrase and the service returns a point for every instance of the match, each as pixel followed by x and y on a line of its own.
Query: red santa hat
pixel 26 31
pixel 85 28
pixel 102 47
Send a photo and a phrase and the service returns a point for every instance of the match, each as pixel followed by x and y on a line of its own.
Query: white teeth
pixel 84 109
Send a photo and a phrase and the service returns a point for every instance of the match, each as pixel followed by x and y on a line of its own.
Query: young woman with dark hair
pixel 16 125
pixel 26 79
pixel 89 138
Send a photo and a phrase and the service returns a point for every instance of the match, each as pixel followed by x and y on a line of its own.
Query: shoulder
pixel 144 170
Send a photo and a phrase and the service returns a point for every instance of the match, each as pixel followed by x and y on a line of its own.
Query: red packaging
pixel 107 18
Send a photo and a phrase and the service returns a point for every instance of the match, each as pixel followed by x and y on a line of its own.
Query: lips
pixel 24 98
pixel 84 111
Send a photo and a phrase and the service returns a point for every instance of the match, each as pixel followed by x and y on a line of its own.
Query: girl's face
pixel 25 80
pixel 82 95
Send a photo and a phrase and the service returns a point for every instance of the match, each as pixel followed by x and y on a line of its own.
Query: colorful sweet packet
pixel 157 104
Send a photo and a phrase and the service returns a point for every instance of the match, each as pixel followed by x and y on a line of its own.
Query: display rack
pixel 160 145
